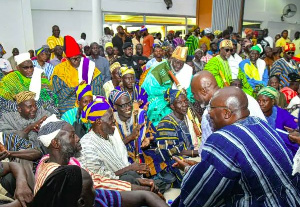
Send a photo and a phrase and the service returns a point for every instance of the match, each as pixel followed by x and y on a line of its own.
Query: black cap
pixel 126 45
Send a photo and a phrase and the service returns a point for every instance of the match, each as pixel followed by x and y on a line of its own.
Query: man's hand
pixel 181 164
pixel 146 106
pixel 140 168
pixel 136 132
pixel 141 62
pixel 36 126
pixel 294 135
pixel 145 143
pixel 3 155
pixel 148 183
pixel 23 194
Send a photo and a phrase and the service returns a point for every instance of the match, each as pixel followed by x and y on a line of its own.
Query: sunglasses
pixel 27 67
pixel 75 59
pixel 124 106
pixel 227 50
pixel 290 53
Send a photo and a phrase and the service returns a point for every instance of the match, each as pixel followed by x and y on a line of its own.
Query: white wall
pixel 180 7
pixel 269 12
pixel 16 26
pixel 74 21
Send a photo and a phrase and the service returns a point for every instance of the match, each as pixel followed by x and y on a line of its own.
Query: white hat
pixel 22 57
pixel 50 129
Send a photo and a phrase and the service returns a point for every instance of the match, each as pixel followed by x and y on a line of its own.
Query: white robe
pixel 184 76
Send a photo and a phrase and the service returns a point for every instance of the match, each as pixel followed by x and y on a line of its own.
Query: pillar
pixel 204 13
pixel 97 20
pixel 27 25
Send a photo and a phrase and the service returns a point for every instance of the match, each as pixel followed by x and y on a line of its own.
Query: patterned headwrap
pixel 114 66
pixel 180 53
pixel 50 129
pixel 82 91
pixel 116 94
pixel 269 91
pixel 171 95
pixel 226 43
pixel 24 96
pixel 257 48
pixel 126 70
pixel 95 110
pixel 40 50
pixel 289 47
pixel 248 31
pixel 108 44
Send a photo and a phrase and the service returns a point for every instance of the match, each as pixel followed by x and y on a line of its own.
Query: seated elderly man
pixel 73 116
pixel 21 191
pixel 129 84
pixel 42 55
pixel 136 131
pixel 26 78
pixel 175 133
pixel 245 156
pixel 159 79
pixel 27 120
pixel 69 74
pixel 59 137
pixel 103 151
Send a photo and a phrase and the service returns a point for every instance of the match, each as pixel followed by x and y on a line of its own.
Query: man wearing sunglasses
pixel 26 78
pixel 221 70
pixel 286 65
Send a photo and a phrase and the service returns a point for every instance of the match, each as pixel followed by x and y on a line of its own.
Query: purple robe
pixel 278 120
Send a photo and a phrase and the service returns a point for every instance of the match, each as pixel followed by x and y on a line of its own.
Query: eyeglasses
pixel 27 67
pixel 290 53
pixel 125 105
pixel 74 59
pixel 227 50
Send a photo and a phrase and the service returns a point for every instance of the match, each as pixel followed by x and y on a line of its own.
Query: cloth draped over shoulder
pixel 256 75
pixel 222 72
pixel 65 80
pixel 155 84
pixel 14 83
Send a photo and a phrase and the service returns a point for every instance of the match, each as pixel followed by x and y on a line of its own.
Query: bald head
pixel 227 106
pixel 204 85
pixel 88 193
